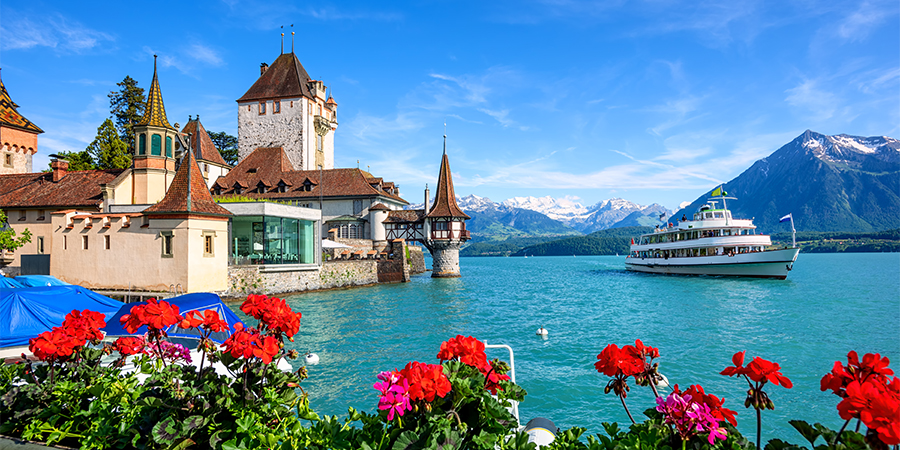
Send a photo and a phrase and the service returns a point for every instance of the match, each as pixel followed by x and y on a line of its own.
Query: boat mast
pixel 793 233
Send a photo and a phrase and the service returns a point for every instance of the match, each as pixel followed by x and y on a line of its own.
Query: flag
pixel 786 218
pixel 718 192
pixel 662 216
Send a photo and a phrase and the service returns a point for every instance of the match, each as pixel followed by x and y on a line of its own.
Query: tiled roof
pixel 203 146
pixel 379 207
pixel 270 165
pixel 285 78
pixel 188 193
pixel 36 190
pixel 9 115
pixel 154 110
pixel 405 216
pixel 445 200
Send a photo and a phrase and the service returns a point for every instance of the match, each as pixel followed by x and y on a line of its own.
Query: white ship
pixel 713 243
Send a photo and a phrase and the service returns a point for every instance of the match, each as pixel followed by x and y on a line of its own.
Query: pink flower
pixel 395 403
pixel 689 417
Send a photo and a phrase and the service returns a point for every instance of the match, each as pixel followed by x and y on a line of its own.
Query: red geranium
pixel 155 315
pixel 426 381
pixel 493 378
pixel 209 320
pixel 274 314
pixel 84 325
pixel 467 350
pixel 129 345
pixel 873 365
pixel 759 370
pixel 869 394
pixel 53 345
pixel 614 361
pixel 714 403
pixel 249 343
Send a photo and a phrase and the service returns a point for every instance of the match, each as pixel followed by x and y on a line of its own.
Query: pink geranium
pixel 689 417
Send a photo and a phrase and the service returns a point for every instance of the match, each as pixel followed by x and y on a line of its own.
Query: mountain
pixel 828 183
pixel 604 242
pixel 612 213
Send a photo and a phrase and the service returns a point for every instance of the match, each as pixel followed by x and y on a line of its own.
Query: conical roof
pixel 201 143
pixel 188 193
pixel 154 110
pixel 445 199
pixel 10 117
pixel 285 78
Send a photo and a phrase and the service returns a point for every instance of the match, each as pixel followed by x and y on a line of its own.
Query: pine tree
pixel 82 160
pixel 227 145
pixel 127 106
pixel 107 150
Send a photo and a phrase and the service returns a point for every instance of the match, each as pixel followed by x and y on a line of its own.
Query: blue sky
pixel 651 101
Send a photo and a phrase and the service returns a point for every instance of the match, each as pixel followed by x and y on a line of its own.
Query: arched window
pixel 156 145
pixel 142 144
pixel 169 146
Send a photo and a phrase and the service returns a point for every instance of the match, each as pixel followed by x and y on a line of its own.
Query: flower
pixel 876 404
pixel 690 417
pixel 130 345
pixel 53 345
pixel 273 314
pixel 395 403
pixel 759 370
pixel 84 325
pixel 714 403
pixel 613 361
pixel 209 320
pixel 154 314
pixel 426 381
pixel 873 365
pixel 467 350
pixel 249 343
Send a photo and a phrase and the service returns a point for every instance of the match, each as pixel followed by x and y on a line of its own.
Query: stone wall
pixel 445 259
pixel 285 129
pixel 416 260
pixel 245 280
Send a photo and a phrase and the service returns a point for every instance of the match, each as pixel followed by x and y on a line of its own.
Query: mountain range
pixel 827 183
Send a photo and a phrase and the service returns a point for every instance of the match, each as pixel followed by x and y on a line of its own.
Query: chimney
pixel 262 68
pixel 59 167
pixel 427 196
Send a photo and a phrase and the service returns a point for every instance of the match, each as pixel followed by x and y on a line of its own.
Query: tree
pixel 227 145
pixel 82 160
pixel 127 106
pixel 8 239
pixel 108 151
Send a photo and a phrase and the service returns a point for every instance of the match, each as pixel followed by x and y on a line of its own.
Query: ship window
pixel 709 215
pixel 719 215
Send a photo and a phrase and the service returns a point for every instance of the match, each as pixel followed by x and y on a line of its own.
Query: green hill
pixel 604 242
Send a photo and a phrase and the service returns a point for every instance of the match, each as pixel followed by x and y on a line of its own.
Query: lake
pixel 830 304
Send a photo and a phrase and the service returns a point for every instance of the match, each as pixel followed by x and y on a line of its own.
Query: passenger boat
pixel 713 243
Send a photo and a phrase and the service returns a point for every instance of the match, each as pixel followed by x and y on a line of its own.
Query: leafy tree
pixel 8 239
pixel 227 145
pixel 82 160
pixel 127 106
pixel 107 150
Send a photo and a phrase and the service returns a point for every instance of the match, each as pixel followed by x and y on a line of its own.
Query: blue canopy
pixel 28 312
pixel 9 283
pixel 200 302
pixel 40 280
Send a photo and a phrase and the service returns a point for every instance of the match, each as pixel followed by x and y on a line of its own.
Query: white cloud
pixel 809 96
pixel 204 54
pixel 858 25
pixel 51 30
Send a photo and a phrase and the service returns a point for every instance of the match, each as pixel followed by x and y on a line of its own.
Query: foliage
pixel 604 242
pixel 227 145
pixel 8 239
pixel 107 150
pixel 840 242
pixel 127 106
pixel 245 199
pixel 82 160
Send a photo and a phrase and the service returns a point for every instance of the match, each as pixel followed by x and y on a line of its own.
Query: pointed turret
pixel 188 193
pixel 446 225
pixel 154 110
pixel 445 199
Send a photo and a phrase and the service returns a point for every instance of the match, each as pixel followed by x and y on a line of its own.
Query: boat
pixel 713 243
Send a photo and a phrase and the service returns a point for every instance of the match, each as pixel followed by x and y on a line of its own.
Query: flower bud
pixel 607 389
pixel 428 407
pixel 747 402
pixel 771 405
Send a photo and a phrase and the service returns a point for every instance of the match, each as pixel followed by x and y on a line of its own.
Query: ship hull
pixel 769 264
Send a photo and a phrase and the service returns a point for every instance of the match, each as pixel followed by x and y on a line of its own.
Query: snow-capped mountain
pixel 561 209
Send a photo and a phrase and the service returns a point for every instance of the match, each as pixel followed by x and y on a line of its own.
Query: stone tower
pixel 154 152
pixel 18 137
pixel 445 225
pixel 286 108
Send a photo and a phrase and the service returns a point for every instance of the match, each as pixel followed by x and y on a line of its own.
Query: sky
pixel 652 101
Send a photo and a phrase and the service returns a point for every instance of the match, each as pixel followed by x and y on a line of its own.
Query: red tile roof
pixel 203 146
pixel 270 165
pixel 35 190
pixel 284 79
pixel 379 207
pixel 9 114
pixel 405 216
pixel 188 193
pixel 445 200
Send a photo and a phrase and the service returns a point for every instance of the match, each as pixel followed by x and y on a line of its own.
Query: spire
pixel 445 199
pixel 188 193
pixel 154 110
pixel 9 116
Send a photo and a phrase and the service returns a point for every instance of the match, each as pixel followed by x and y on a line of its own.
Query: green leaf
pixel 809 433
pixel 192 423
pixel 406 441
pixel 164 431
pixel 778 444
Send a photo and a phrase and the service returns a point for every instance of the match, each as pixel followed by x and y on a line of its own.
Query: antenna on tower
pixel 292 39
pixel 445 138
pixel 282 39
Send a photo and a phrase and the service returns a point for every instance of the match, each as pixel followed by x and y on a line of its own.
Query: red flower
pixel 873 365
pixel 129 345
pixel 274 314
pixel 426 381
pixel 738 369
pixel 467 350
pixel 714 403
pixel 493 378
pixel 267 349
pixel 53 345
pixel 760 370
pixel 250 343
pixel 614 361
pixel 84 325
pixel 876 404
pixel 209 320
pixel 154 314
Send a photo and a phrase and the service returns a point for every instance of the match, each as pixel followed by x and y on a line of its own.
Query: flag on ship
pixel 786 218
pixel 718 192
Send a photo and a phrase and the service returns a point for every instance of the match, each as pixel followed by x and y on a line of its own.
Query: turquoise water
pixel 830 304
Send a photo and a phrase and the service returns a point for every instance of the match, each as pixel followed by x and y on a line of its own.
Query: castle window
pixel 282 187
pixel 169 146
pixel 7 160
pixel 318 143
pixel 106 241
pixel 166 243
pixel 84 242
pixel 209 248
pixel 217 190
pixel 41 215
pixel 65 242
pixel 237 190
pixel 262 107
pixel 276 107
pixel 40 245
pixel 142 144
pixel 156 145
pixel 23 215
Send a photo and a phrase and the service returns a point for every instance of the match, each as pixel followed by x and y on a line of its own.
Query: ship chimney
pixel 262 68
pixel 427 196
pixel 59 167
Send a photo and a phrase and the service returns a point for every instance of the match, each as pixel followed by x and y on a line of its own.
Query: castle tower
pixel 286 108
pixel 445 225
pixel 154 152
pixel 18 137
